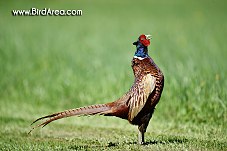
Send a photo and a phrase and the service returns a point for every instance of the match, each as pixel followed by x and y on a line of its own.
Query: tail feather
pixel 88 110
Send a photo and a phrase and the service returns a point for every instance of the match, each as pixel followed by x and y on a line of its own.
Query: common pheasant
pixel 138 104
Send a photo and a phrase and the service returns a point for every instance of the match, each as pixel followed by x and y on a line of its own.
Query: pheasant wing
pixel 140 94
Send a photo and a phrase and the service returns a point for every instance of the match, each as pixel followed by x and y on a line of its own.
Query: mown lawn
pixel 49 64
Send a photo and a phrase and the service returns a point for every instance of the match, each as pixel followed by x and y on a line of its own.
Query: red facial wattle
pixel 143 39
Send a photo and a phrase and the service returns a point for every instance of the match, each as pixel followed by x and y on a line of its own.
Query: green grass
pixel 49 64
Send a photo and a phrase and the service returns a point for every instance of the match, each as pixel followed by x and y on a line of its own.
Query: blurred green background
pixel 52 63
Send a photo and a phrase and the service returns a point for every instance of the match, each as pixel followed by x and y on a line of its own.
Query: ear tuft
pixel 135 43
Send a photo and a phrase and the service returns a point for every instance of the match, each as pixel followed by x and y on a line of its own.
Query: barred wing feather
pixel 140 95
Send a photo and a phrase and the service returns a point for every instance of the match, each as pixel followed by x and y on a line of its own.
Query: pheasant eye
pixel 142 39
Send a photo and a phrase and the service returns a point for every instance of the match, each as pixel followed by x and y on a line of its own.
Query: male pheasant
pixel 138 104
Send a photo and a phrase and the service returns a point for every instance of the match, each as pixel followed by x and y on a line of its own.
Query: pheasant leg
pixel 141 138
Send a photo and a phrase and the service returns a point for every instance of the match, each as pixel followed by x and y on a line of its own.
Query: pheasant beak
pixel 148 37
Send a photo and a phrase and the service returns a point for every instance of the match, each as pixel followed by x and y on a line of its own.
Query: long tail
pixel 88 110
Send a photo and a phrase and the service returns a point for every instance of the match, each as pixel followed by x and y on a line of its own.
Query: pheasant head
pixel 141 46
